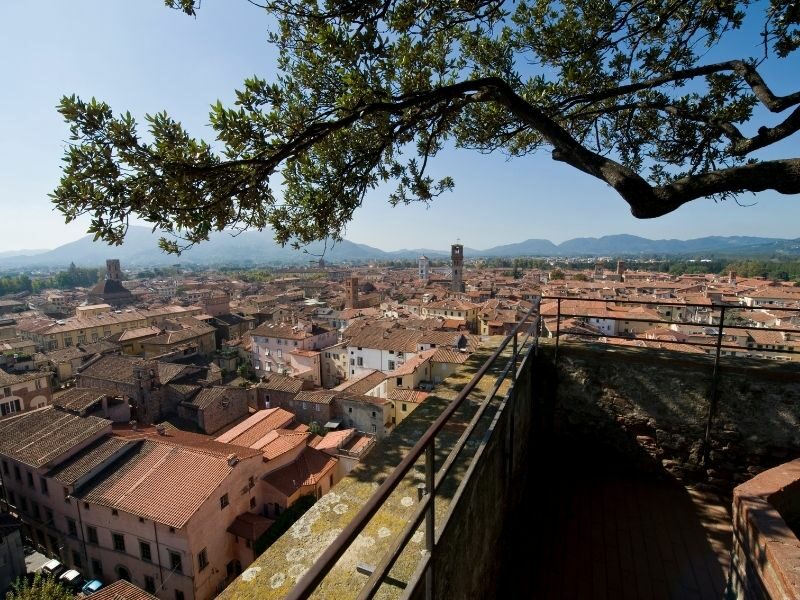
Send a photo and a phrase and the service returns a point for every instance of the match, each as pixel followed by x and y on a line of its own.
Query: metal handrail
pixel 311 579
pixel 672 302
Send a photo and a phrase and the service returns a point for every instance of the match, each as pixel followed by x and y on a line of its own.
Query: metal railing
pixel 528 329
pixel 716 347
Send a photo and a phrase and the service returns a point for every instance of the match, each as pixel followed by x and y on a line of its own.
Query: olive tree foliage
pixel 40 588
pixel 367 92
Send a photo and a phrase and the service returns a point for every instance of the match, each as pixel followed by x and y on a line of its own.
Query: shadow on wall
pixel 630 400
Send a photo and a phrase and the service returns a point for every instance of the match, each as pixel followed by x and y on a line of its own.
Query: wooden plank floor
pixel 617 538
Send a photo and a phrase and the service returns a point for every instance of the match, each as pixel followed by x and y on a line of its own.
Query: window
pixel 178 595
pixel 317 407
pixel 43 485
pixel 252 502
pixel 149 584
pixel 23 503
pixel 72 527
pixel 30 478
pixel 35 508
pixel 114 512
pixel 352 361
pixel 374 428
pixel 144 551
pixel 119 542
pixel 349 409
pixel 175 563
pixel 17 474
pixel 11 498
pixel 48 515
pixel 5 467
pixel 304 405
pixel 373 414
pixel 360 361
pixel 391 365
pixel 202 559
pixel 399 381
pixel 223 501
pixel 97 568
pixel 76 559
pixel 251 482
pixel 405 408
pixel 91 533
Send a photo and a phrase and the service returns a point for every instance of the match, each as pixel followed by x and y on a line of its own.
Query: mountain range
pixel 258 248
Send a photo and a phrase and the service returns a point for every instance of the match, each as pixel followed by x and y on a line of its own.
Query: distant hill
pixel 141 249
pixel 633 245
pixel 258 248
pixel 9 253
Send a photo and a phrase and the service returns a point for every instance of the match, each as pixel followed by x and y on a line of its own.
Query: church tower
pixel 113 270
pixel 423 268
pixel 457 260
pixel 352 292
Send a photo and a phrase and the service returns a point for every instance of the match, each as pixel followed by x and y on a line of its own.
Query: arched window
pixel 123 573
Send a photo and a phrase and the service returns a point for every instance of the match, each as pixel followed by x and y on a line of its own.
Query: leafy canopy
pixel 41 588
pixel 369 92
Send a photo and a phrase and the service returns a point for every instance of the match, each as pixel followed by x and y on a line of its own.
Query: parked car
pixel 53 568
pixel 71 579
pixel 92 586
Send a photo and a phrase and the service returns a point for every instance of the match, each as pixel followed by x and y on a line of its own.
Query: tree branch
pixel 745 70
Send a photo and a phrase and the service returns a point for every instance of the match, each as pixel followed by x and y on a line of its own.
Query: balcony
pixel 611 466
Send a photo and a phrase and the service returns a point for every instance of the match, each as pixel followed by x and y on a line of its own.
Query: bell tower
pixel 457 260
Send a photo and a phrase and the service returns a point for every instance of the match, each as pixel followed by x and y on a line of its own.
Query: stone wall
pixel 650 408
pixel 766 552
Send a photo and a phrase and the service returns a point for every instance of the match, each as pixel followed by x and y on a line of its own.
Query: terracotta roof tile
pixel 89 459
pixel 309 468
pixel 122 590
pixel 257 426
pixel 249 526
pixel 144 482
pixel 39 436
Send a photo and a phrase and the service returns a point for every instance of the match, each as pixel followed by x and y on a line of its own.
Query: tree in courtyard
pixel 41 588
pixel 369 92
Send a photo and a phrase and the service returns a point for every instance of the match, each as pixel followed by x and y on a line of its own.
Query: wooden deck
pixel 596 537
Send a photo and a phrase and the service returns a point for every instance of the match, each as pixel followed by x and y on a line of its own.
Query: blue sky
pixel 142 57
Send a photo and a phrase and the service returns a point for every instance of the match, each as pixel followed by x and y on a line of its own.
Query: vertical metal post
pixel 514 352
pixel 712 403
pixel 558 329
pixel 430 540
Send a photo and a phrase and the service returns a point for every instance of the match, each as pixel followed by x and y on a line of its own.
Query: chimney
pixel 232 460
pixel 160 429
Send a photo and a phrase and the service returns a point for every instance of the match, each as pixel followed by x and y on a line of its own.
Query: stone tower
pixel 620 268
pixel 423 268
pixel 457 259
pixel 352 292
pixel 113 270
